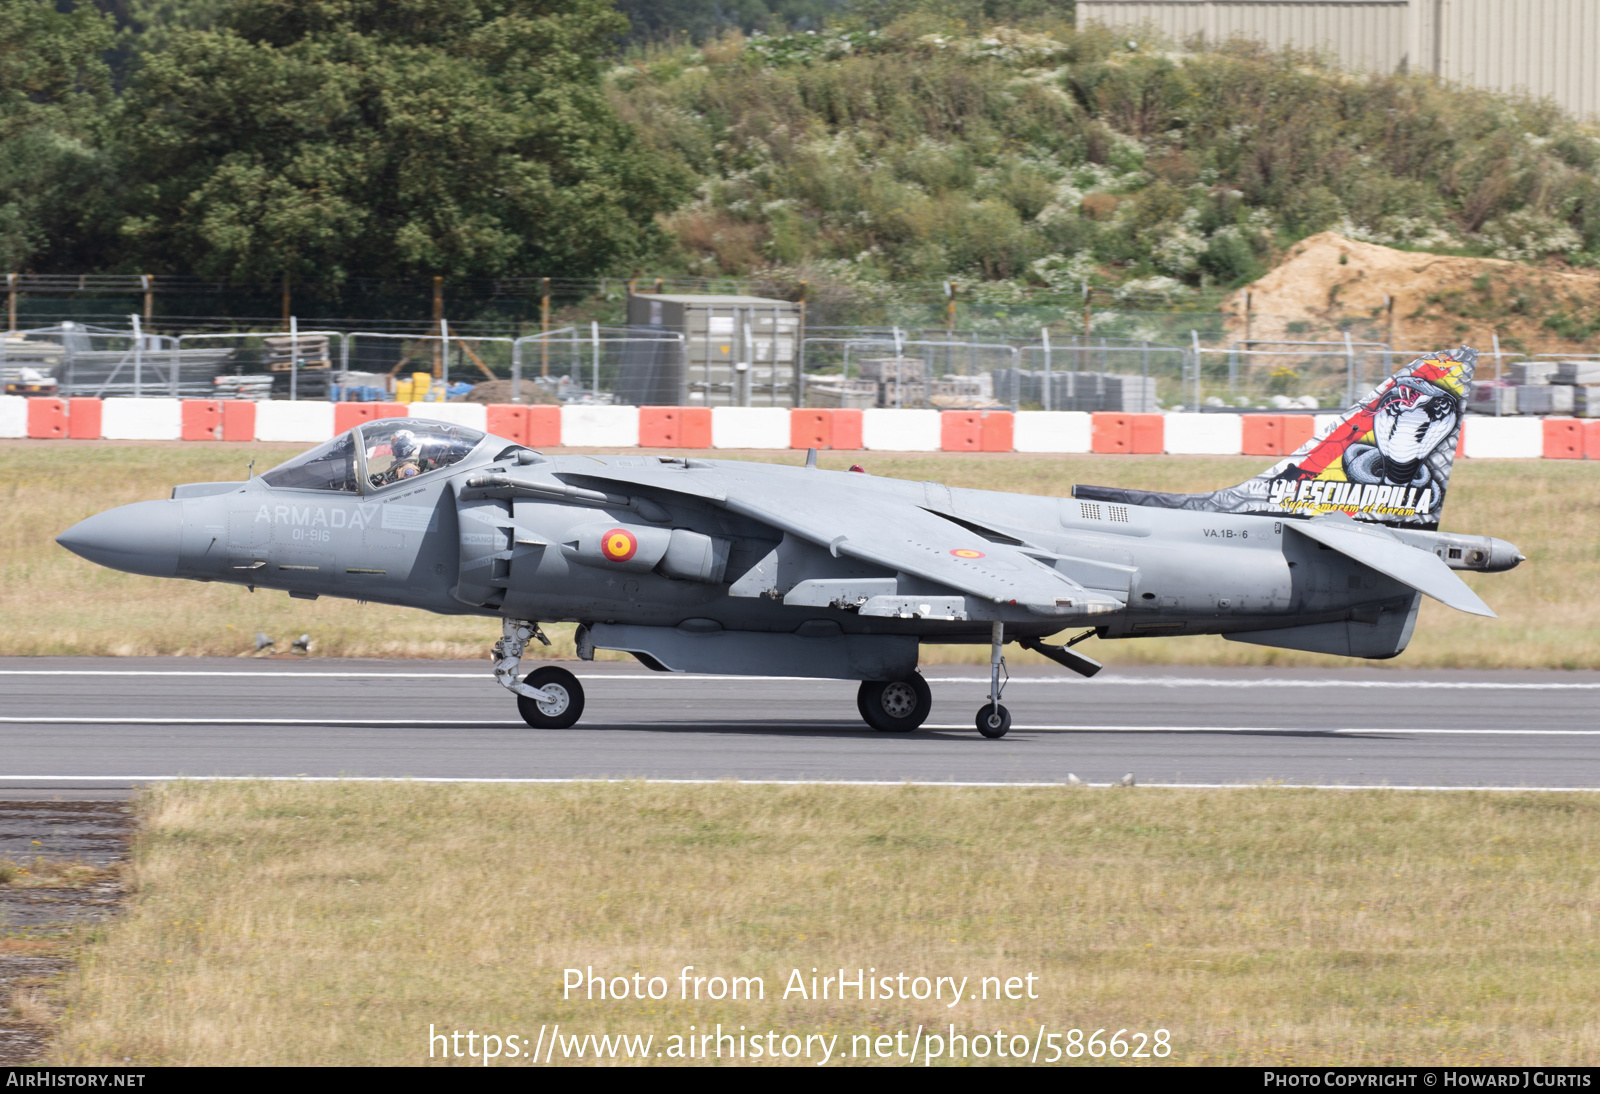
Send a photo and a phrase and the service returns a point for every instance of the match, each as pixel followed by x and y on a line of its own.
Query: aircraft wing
pixel 879 527
pixel 898 535
pixel 1373 546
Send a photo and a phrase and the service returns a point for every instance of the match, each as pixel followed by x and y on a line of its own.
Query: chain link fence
pixel 1048 367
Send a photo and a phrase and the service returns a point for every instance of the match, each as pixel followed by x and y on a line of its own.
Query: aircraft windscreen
pixel 403 448
pixel 329 466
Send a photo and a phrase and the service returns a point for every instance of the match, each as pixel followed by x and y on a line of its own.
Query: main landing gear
pixel 895 706
pixel 993 719
pixel 899 706
pixel 549 697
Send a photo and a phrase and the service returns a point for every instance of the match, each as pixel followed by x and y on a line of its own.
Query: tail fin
pixel 1387 461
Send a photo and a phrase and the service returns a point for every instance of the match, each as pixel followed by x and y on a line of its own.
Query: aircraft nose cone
pixel 141 538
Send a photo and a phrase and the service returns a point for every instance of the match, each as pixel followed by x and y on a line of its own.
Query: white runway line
pixel 788 782
pixel 485 723
pixel 1016 681
pixel 395 722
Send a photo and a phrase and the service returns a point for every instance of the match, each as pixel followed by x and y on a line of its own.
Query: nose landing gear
pixel 560 704
pixel 550 697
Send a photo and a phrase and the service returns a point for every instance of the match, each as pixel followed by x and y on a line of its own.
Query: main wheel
pixel 993 720
pixel 895 706
pixel 565 705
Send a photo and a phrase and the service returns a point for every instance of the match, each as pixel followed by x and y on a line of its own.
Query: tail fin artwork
pixel 1387 461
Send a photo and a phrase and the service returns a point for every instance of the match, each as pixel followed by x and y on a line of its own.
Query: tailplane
pixel 1387 461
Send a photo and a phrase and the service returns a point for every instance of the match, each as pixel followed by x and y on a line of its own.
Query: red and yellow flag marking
pixel 619 545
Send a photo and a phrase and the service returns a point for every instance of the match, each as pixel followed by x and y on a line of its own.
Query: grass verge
pixel 48 908
pixel 56 603
pixel 285 923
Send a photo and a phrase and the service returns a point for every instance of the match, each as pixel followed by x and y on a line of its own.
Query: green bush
pixel 919 151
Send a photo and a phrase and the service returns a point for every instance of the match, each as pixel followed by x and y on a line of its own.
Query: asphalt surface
pixel 80 727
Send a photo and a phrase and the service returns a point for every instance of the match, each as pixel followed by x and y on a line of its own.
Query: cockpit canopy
pixel 329 466
pixel 403 448
pixel 377 454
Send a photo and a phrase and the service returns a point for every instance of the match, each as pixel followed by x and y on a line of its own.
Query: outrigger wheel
pixel 993 720
pixel 563 705
pixel 895 706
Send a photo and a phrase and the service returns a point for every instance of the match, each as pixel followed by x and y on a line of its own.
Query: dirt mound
pixel 1409 299
pixel 499 391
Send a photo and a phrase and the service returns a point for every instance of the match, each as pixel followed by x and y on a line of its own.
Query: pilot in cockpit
pixel 408 455
pixel 396 453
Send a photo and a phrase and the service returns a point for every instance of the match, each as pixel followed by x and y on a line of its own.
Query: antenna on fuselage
pixel 250 472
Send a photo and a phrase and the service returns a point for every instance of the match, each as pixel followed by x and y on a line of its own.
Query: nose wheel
pixel 895 706
pixel 547 698
pixel 559 703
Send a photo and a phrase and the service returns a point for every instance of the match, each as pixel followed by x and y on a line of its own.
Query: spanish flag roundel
pixel 966 552
pixel 618 545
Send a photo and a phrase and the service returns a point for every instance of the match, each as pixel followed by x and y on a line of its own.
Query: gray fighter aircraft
pixel 725 566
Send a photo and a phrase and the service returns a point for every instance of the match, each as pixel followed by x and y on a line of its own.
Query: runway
pixel 79 727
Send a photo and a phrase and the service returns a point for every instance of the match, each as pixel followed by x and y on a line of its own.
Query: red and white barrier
pixel 749 427
pixel 47 419
pixel 13 416
pixel 900 430
pixel 471 415
pixel 1275 434
pixel 1118 434
pixel 144 419
pixel 676 427
pixel 1204 434
pixel 977 430
pixel 1053 431
pixel 84 419
pixel 303 422
pixel 593 426
pixel 1486 438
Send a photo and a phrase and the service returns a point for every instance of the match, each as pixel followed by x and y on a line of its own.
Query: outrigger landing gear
pixel 993 719
pixel 550 697
pixel 895 706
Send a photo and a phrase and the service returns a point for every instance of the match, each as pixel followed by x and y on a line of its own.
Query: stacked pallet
pixel 1561 388
pixel 311 350
pixel 1090 392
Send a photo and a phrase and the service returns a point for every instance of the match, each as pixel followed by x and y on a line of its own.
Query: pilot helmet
pixel 403 444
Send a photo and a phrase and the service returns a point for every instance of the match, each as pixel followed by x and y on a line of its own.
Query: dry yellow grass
pixel 283 923
pixel 27 1005
pixel 55 603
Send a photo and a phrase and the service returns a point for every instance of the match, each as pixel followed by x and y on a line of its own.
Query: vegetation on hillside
pixel 250 139
pixel 699 20
pixel 908 140
pixel 1055 157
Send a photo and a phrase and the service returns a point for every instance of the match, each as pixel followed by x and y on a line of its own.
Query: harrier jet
pixel 726 566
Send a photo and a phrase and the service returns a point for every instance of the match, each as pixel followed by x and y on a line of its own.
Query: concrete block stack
pixel 1583 378
pixel 1544 399
pixel 1497 400
pixel 1558 388
pixel 1088 392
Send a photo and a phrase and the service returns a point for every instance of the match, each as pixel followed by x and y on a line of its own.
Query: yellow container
pixel 402 391
pixel 420 383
